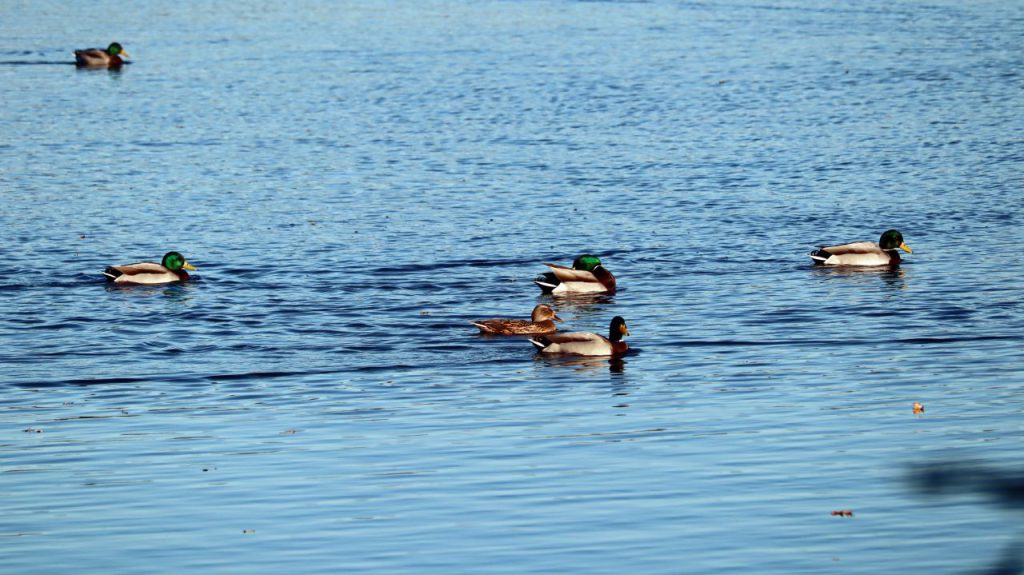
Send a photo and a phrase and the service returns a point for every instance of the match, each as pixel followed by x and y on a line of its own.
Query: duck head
pixel 174 261
pixel 617 329
pixel 115 49
pixel 893 239
pixel 586 262
pixel 543 313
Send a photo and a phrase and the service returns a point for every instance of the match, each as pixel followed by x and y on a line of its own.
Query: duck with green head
pixel 170 269
pixel 884 253
pixel 100 58
pixel 586 343
pixel 587 275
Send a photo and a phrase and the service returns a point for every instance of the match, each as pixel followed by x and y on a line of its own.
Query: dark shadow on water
pixel 1003 488
pixel 182 378
pixel 36 63
pixel 62 63
pixel 1000 486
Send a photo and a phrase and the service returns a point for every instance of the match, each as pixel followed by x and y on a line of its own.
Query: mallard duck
pixel 149 273
pixel 884 253
pixel 586 275
pixel 542 320
pixel 100 58
pixel 586 343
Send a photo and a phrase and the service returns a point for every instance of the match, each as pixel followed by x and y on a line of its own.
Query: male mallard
pixel 586 343
pixel 149 273
pixel 864 253
pixel 542 320
pixel 100 58
pixel 586 275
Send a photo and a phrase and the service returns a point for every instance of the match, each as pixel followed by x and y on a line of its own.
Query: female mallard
pixel 542 320
pixel 864 253
pixel 586 343
pixel 100 58
pixel 149 273
pixel 586 275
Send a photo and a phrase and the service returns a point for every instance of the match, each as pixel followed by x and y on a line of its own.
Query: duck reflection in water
pixel 584 364
pixel 177 294
pixel 892 276
pixel 582 305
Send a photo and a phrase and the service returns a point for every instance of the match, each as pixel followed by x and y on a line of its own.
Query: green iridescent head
pixel 115 49
pixel 586 262
pixel 175 261
pixel 891 240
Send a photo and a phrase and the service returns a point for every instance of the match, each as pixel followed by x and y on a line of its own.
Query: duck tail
pixel 819 256
pixel 483 328
pixel 540 342
pixel 112 273
pixel 547 282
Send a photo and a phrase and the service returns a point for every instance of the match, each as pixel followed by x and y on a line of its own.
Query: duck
pixel 884 253
pixel 586 343
pixel 586 276
pixel 100 58
pixel 150 273
pixel 542 320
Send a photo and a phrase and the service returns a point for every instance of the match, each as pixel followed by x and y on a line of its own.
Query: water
pixel 355 183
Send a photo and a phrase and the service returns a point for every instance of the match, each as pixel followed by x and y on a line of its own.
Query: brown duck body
pixel 144 273
pixel 96 58
pixel 541 321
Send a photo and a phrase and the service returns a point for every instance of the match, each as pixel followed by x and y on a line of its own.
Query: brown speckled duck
pixel 884 253
pixel 587 275
pixel 542 320
pixel 150 273
pixel 586 343
pixel 100 58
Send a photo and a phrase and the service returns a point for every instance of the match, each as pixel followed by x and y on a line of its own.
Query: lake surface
pixel 356 181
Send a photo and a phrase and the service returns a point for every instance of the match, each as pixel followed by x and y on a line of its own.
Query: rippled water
pixel 355 183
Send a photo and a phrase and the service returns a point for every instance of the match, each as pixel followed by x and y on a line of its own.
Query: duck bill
pixel 906 248
pixel 188 266
pixel 124 54
pixel 556 318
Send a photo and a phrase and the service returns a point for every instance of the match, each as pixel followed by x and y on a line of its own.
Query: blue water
pixel 356 182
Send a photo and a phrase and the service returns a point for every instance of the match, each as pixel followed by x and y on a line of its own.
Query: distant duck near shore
pixel 100 58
